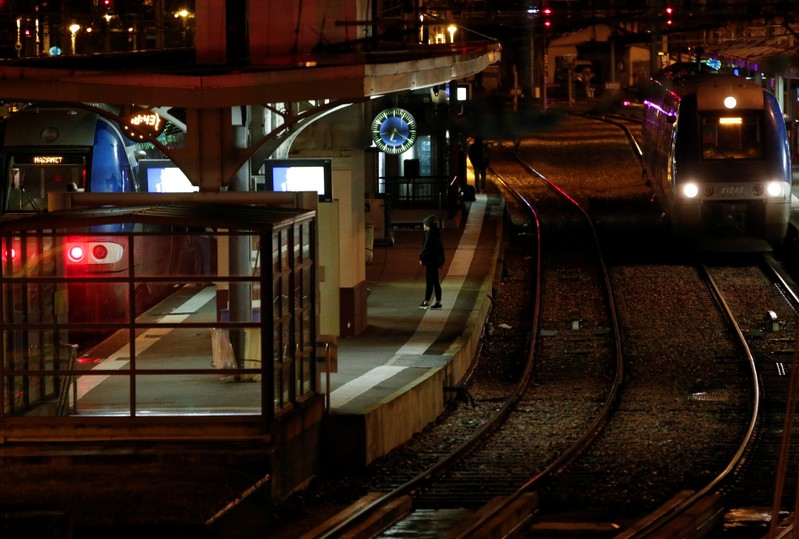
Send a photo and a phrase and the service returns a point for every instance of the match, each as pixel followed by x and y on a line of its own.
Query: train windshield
pixel 33 176
pixel 735 136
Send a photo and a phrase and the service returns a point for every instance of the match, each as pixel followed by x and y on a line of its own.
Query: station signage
pixel 49 159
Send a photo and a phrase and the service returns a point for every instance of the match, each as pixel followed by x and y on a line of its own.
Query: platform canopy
pixel 166 79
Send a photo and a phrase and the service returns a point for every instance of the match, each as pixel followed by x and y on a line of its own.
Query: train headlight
pixel 76 253
pixel 689 190
pixel 775 189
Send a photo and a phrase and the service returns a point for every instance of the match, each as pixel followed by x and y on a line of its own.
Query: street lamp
pixel 452 29
pixel 73 30
pixel 183 15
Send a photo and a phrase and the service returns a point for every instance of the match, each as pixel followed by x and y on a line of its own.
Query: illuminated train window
pixel 731 137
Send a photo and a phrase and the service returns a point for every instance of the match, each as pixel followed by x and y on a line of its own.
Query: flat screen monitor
pixel 283 175
pixel 163 176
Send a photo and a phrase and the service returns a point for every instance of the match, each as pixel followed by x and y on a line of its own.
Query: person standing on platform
pixel 478 155
pixel 432 258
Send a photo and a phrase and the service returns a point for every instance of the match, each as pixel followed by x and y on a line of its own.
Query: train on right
pixel 717 156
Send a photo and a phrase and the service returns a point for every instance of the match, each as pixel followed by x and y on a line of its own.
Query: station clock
pixel 394 130
pixel 138 123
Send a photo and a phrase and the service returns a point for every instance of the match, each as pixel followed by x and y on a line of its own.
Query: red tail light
pixel 89 251
pixel 9 254
pixel 100 252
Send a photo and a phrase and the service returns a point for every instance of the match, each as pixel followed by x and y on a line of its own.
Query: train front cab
pixel 731 169
pixel 56 150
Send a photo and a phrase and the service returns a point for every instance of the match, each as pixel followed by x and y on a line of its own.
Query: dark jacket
pixel 478 154
pixel 432 248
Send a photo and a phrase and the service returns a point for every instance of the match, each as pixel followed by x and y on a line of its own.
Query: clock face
pixel 394 130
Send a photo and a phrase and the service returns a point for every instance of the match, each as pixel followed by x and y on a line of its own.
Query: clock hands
pixel 394 131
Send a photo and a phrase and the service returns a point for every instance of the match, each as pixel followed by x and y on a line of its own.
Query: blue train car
pixel 717 156
pixel 54 149
pixel 58 149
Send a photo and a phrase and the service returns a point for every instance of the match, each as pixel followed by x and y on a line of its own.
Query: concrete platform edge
pixel 464 349
pixel 353 441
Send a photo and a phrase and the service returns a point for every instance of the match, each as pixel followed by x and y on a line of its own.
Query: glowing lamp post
pixel 73 30
pixel 183 15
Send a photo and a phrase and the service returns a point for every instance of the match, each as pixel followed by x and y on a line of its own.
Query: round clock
pixel 394 130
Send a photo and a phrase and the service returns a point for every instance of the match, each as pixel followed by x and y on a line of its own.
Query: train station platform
pixel 383 386
pixel 393 379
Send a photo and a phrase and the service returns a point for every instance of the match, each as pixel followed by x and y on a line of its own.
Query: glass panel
pixel 306 381
pixel 283 383
pixel 252 355
pixel 256 272
pixel 297 244
pixel 184 348
pixel 40 395
pixel 280 396
pixel 276 253
pixel 171 302
pixel 285 251
pixel 32 182
pixel 192 254
pixel 733 136
pixel 77 288
pixel 299 296
pixel 28 256
pixel 196 394
pixel 307 241
pixel 103 394
pixel 98 303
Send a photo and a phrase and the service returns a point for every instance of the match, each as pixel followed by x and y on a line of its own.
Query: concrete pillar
pixel 211 157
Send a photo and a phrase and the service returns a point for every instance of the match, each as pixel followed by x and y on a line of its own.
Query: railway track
pixel 570 380
pixel 622 469
pixel 627 475
pixel 766 303
pixel 750 492
pixel 685 404
pixel 723 414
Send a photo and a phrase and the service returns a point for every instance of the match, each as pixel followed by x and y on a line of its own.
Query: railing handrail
pixel 70 383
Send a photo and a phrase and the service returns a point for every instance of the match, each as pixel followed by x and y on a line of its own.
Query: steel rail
pixel 591 433
pixel 359 516
pixel 667 517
